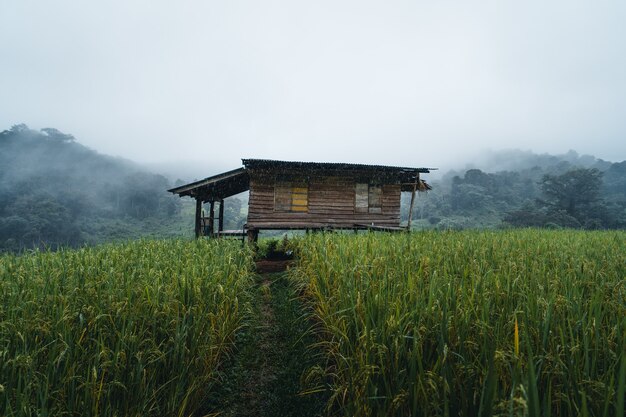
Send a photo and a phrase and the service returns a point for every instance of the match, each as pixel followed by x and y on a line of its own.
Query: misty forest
pixel 56 192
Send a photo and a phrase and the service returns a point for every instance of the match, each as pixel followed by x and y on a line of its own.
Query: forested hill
pixel 524 189
pixel 55 191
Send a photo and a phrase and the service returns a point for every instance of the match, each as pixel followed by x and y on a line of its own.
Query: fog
pixel 415 83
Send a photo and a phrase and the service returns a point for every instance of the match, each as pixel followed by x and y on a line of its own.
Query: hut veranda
pixel 287 195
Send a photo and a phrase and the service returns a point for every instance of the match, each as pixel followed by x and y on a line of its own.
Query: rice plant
pixel 471 323
pixel 136 329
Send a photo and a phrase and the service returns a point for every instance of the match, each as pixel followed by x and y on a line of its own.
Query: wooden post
pixel 212 218
pixel 220 226
pixel 417 178
pixel 198 214
pixel 253 236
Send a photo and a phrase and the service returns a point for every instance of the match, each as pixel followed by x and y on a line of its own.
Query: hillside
pixel 516 188
pixel 55 191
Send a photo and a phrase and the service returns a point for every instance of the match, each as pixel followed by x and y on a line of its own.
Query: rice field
pixel 136 329
pixel 472 323
pixel 508 323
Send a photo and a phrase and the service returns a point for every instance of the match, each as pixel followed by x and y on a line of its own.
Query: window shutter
pixel 291 197
pixel 361 198
pixel 282 196
pixel 375 199
pixel 300 198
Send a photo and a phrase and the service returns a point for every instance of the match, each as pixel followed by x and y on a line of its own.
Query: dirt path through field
pixel 272 354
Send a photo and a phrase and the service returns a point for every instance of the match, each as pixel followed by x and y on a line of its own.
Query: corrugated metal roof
pixel 218 186
pixel 270 163
pixel 237 180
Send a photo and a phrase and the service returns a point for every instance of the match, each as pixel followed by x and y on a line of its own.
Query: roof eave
pixel 183 189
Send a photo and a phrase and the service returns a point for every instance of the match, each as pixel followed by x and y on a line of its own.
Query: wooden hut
pixel 307 195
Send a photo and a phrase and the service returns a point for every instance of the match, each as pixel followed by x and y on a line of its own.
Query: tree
pixel 572 199
pixel 57 135
pixel 530 215
pixel 574 192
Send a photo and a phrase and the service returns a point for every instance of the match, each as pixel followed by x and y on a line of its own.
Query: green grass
pixel 267 376
pixel 119 330
pixel 424 324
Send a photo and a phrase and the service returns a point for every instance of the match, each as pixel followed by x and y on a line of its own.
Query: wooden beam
pixel 220 226
pixel 211 218
pixel 417 179
pixel 253 236
pixel 198 217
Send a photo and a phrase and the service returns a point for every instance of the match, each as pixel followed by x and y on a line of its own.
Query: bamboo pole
pixel 417 178
pixel 198 215
pixel 220 224
pixel 212 218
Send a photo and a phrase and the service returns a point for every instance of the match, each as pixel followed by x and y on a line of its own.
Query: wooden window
pixel 282 196
pixel 300 198
pixel 361 198
pixel 290 196
pixel 368 198
pixel 375 199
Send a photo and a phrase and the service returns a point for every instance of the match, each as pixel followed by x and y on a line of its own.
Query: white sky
pixel 415 83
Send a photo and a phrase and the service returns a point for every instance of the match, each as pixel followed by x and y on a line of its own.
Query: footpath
pixel 272 357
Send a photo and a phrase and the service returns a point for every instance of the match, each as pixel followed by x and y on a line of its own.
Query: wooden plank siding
pixel 331 202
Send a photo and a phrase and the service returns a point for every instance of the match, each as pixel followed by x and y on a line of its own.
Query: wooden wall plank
pixel 328 200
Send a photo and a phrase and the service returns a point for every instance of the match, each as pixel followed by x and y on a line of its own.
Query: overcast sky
pixel 415 83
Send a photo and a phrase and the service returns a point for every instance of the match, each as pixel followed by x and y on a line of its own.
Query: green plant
pixel 521 322
pixel 130 329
